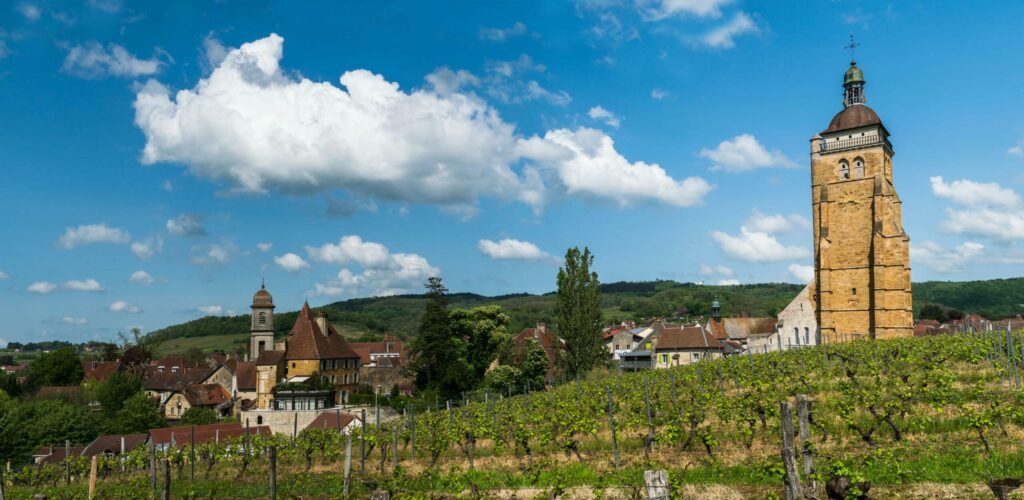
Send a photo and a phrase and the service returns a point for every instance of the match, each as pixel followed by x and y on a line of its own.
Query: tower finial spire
pixel 852 46
pixel 263 285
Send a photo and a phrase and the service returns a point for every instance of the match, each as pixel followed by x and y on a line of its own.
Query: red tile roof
pixel 245 375
pixel 270 358
pixel 111 443
pixel 547 340
pixel 330 420
pixel 307 341
pixel 390 344
pixel 169 379
pixel 213 432
pixel 688 338
pixel 206 394
pixel 100 371
pixel 56 454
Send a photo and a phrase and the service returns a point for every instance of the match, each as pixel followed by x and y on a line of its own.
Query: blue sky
pixel 160 160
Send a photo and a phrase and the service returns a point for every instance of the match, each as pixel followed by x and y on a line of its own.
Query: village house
pixel 212 396
pixel 384 364
pixel 547 339
pixel 100 371
pixel 679 346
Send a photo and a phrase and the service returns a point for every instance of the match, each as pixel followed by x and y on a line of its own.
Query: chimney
pixel 321 321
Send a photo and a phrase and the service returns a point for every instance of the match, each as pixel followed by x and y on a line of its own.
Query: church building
pixel 861 252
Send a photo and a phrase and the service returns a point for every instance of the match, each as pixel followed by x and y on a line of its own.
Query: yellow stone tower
pixel 861 252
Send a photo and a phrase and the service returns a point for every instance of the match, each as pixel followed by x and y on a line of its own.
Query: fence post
pixel 152 467
pixel 394 447
pixel 166 493
pixel 803 412
pixel 67 461
pixel 192 457
pixel 362 444
pixel 793 490
pixel 2 497
pixel 273 472
pixel 348 461
pixel 92 477
pixel 611 424
pixel 295 425
pixel 412 435
pixel 649 442
pixel 656 484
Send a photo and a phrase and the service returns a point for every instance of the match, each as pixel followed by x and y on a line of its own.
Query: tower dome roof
pixel 853 74
pixel 853 117
pixel 262 297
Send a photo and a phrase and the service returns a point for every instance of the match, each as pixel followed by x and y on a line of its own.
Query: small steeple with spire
pixel 716 309
pixel 853 80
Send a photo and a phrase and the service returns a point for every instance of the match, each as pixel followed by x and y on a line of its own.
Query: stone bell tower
pixel 861 252
pixel 261 328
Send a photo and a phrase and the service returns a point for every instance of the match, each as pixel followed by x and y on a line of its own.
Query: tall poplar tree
pixel 579 313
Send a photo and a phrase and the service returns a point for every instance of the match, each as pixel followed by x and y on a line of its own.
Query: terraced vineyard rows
pixel 914 411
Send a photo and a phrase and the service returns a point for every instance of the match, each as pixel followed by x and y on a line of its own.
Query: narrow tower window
pixel 858 168
pixel 263 318
pixel 844 170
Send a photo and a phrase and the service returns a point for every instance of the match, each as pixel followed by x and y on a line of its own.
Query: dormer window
pixel 844 170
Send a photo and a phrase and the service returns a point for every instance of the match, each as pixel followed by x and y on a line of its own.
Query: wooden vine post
pixel 348 461
pixel 611 424
pixel 803 412
pixel 92 478
pixel 792 481
pixel 166 493
pixel 273 472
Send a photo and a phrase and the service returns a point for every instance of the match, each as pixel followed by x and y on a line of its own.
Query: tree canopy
pixel 579 313
pixel 60 367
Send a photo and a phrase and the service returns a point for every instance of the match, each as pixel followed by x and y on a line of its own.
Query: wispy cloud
pixel 723 37
pixel 92 60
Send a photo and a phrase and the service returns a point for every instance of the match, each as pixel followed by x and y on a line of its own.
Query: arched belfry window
pixel 844 170
pixel 263 318
pixel 858 168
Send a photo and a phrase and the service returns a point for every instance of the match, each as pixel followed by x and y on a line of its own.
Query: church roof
pixel 307 341
pixel 854 116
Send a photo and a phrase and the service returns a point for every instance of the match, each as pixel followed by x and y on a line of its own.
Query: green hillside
pixel 399 315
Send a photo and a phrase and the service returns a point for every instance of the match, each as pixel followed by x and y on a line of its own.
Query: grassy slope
pixel 400 315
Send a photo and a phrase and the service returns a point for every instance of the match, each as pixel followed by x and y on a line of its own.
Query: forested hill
pixel 399 315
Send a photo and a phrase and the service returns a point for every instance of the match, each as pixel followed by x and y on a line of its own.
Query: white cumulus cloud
pixel 93 60
pixel 291 262
pixel 728 282
pixel 147 248
pixel 600 114
pixel 653 10
pixel 259 127
pixel 588 164
pixel 42 287
pixel 801 272
pixel 87 285
pixel 756 246
pixel 381 272
pixel 70 320
pixel 88 234
pixel 213 254
pixel 501 34
pixel 186 225
pixel 776 223
pixel 707 270
pixel 744 153
pixel 512 249
pixel 142 278
pixel 212 310
pixel 943 261
pixel 985 209
pixel 723 36
pixel 121 306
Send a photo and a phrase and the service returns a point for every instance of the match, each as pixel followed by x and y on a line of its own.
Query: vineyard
pixel 915 417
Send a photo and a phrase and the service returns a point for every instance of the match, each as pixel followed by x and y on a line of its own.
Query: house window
pixel 854 291
pixel 807 335
pixel 259 420
pixel 664 359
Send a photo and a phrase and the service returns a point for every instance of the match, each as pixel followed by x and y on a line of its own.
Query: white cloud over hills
pixel 256 127
pixel 380 272
pixel 513 249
